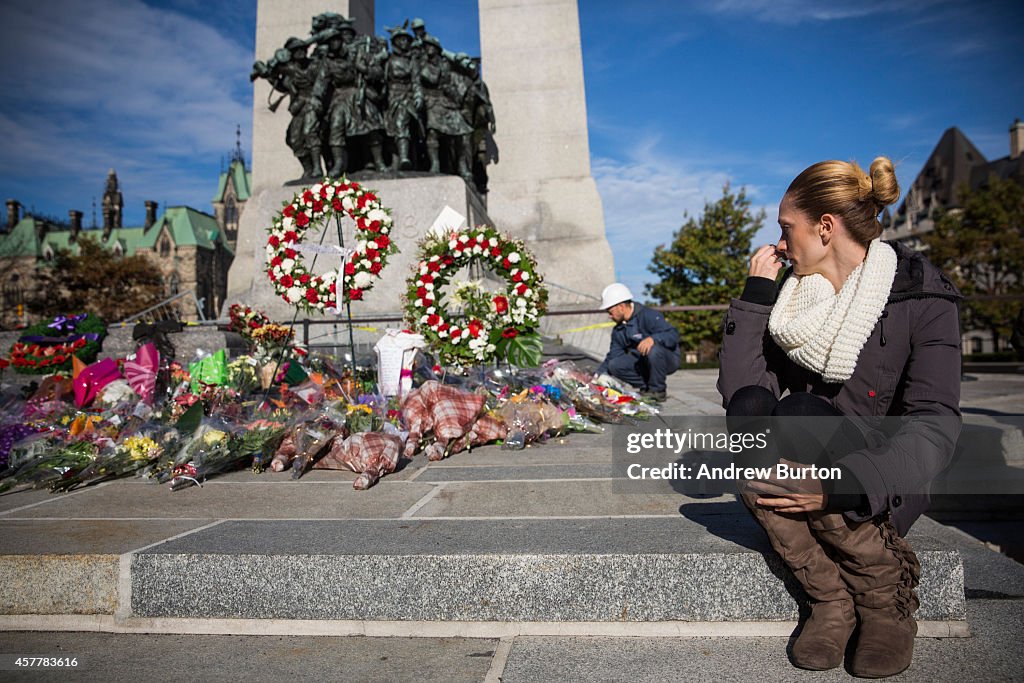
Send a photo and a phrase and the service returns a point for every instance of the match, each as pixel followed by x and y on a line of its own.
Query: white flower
pixel 287 223
pixel 331 190
pixel 477 249
pixel 362 279
pixel 451 245
pixel 527 292
pixel 295 293
pixel 481 238
pixel 526 276
pixel 316 189
pixel 521 302
pixel 287 264
pixel 376 215
pixel 463 239
pixel 493 241
pixel 371 245
pixel 428 286
pixel 438 258
pixel 424 270
pixel 365 263
pixel 423 320
pixel 513 257
pixel 270 252
pixel 347 203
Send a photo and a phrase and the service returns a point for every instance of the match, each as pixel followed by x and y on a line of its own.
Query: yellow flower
pixel 214 436
pixel 360 407
pixel 141 447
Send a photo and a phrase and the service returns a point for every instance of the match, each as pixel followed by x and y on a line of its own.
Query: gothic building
pixel 192 249
pixel 953 165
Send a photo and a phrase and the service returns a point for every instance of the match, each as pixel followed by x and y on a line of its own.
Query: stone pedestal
pixel 414 204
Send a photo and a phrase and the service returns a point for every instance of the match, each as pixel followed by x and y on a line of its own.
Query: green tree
pixel 981 247
pixel 706 263
pixel 96 281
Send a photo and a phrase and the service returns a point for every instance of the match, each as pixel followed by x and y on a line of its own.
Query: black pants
pixel 805 428
pixel 645 372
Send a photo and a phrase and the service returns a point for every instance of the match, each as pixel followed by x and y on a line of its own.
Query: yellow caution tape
pixel 596 326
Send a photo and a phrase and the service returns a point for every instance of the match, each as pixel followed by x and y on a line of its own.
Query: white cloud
pixel 646 198
pixel 798 11
pixel 116 83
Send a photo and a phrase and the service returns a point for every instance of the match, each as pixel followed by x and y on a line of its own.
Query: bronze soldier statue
pixel 404 96
pixel 335 94
pixel 292 73
pixel 444 116
pixel 351 97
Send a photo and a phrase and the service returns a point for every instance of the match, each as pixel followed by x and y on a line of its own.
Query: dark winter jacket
pixel 644 323
pixel 909 367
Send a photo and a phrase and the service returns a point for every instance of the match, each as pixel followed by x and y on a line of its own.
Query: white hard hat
pixel 615 293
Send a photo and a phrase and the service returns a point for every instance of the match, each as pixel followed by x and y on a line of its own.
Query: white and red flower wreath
pixel 314 207
pixel 510 313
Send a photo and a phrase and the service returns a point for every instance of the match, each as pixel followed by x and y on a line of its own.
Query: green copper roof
pixel 240 178
pixel 21 240
pixel 187 227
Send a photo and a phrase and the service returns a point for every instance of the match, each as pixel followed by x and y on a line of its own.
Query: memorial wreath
pixel 492 324
pixel 48 347
pixel 361 265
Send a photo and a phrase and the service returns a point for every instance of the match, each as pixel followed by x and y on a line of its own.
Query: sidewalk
pixel 525 565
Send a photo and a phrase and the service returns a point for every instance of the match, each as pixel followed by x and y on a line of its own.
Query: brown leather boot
pixel 824 635
pixel 881 571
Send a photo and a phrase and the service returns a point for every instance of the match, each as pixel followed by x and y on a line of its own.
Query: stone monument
pixel 540 189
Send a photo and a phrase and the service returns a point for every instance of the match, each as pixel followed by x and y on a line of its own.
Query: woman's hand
pixel 789 495
pixel 766 262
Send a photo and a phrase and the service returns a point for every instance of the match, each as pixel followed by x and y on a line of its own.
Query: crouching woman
pixel 859 329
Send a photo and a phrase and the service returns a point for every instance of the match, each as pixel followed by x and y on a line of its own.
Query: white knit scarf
pixel 824 331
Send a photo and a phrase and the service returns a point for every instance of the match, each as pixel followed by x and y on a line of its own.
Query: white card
pixel 448 219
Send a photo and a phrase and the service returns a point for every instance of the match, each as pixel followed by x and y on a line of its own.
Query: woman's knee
pixel 751 401
pixel 803 404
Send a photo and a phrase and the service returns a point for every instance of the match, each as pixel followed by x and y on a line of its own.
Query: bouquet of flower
pixel 48 347
pixel 306 439
pixel 46 461
pixel 244 320
pixel 130 456
pixel 10 435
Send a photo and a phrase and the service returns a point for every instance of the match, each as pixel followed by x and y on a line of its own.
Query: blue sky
pixel 682 97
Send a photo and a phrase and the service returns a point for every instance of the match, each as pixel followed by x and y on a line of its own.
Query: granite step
pixel 583 572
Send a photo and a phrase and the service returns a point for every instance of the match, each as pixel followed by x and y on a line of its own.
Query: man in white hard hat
pixel 644 348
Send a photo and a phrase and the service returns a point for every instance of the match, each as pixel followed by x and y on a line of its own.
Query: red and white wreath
pixel 361 266
pixel 491 324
